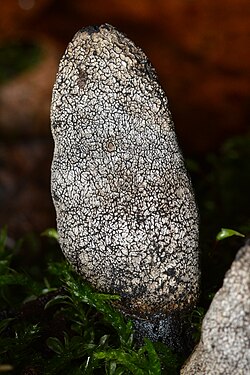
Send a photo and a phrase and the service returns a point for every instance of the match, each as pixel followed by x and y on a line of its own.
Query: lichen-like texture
pixel 224 347
pixel 126 213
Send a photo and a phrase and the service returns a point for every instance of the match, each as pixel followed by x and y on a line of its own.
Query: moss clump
pixel 58 324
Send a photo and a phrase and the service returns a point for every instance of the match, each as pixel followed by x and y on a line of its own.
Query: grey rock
pixel 126 214
pixel 224 347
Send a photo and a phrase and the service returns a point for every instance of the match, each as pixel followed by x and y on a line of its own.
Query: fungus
pixel 126 213
pixel 224 347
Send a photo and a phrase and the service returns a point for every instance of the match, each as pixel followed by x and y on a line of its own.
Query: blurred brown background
pixel 200 49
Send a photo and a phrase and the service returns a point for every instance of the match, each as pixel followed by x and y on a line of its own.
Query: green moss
pixel 60 325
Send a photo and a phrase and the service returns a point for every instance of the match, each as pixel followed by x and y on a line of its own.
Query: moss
pixel 59 325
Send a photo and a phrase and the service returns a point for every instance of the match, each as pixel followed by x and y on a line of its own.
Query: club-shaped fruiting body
pixel 224 347
pixel 126 214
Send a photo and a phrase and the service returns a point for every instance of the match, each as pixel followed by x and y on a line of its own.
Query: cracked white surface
pixel 224 347
pixel 126 213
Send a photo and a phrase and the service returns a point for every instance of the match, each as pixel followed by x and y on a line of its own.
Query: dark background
pixel 200 49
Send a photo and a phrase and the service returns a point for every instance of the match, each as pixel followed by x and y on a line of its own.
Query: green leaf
pixel 101 302
pixel 58 300
pixel 112 368
pixel 77 347
pixel 55 345
pixel 59 269
pixel 120 356
pixel 170 361
pixel 103 340
pixel 225 233
pixel 51 233
pixel 154 362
